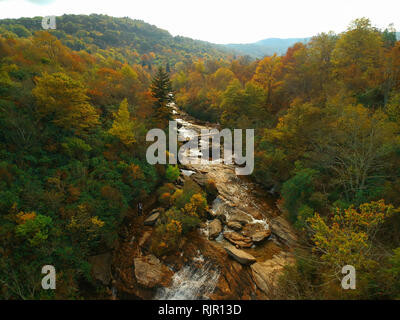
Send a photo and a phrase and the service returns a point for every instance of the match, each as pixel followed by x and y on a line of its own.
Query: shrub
pixel 172 173
pixel 211 190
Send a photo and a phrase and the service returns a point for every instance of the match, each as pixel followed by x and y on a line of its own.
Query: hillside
pixel 79 189
pixel 134 40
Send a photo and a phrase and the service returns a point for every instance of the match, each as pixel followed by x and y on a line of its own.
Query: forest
pixel 75 106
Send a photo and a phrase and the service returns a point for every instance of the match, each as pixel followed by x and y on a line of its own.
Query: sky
pixel 224 21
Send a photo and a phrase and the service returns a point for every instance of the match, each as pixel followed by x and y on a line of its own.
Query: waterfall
pixel 193 282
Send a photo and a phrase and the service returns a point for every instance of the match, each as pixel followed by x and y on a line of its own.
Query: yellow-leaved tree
pixel 63 101
pixel 123 126
pixel 348 239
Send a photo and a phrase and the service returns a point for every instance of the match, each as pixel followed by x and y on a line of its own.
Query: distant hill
pixel 129 37
pixel 266 47
pixel 269 46
pixel 135 38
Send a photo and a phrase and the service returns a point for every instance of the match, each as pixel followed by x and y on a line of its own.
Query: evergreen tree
pixel 160 90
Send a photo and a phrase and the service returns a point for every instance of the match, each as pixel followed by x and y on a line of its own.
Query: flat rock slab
pixel 257 232
pixel 266 274
pixel 240 255
pixel 238 239
pixel 260 236
pixel 151 220
pixel 235 225
pixel 284 231
pixel 150 272
pixel 239 216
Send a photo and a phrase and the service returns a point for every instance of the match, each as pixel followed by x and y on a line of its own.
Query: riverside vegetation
pixel 75 106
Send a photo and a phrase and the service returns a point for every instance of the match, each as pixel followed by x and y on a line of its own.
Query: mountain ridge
pixel 267 46
pixel 97 32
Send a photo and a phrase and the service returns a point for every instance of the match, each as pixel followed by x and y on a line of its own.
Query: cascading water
pixel 193 282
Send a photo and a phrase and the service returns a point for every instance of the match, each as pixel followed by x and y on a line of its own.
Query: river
pixel 239 199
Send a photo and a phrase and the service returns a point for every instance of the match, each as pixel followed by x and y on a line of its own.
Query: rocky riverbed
pixel 237 254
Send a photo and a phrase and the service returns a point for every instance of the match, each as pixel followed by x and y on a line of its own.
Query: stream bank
pixel 237 254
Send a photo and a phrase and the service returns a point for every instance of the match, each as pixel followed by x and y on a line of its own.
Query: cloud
pixel 41 2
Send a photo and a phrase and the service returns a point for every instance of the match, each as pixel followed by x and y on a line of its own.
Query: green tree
pixel 297 190
pixel 172 173
pixel 160 90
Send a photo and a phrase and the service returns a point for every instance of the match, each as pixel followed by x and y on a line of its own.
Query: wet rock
pixel 151 220
pixel 238 239
pixel 256 215
pixel 240 255
pixel 210 214
pixel 202 225
pixel 101 267
pixel 150 272
pixel 260 236
pixel 214 228
pixel 222 218
pixel 240 217
pixel 234 225
pixel 259 230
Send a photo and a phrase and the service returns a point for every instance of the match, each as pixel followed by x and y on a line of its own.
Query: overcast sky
pixel 224 21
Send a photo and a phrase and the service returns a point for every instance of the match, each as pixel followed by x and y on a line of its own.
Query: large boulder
pixel 235 225
pixel 257 232
pixel 260 236
pixel 151 219
pixel 214 228
pixel 239 216
pixel 240 255
pixel 237 239
pixel 150 272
